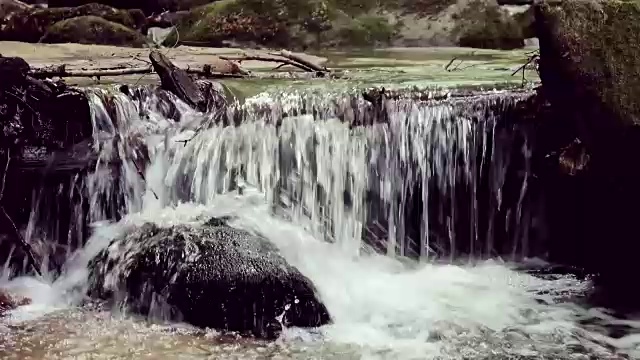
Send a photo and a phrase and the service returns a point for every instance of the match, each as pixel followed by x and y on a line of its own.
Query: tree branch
pixel 269 58
pixel 22 242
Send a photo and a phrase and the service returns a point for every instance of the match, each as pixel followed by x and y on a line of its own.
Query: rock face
pixel 212 276
pixel 31 24
pixel 590 71
pixel 93 30
pixel 591 58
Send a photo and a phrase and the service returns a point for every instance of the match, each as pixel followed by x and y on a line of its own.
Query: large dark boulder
pixel 590 57
pixel 590 70
pixel 212 276
pixel 93 30
pixel 31 24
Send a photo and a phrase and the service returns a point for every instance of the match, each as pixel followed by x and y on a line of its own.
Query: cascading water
pixel 429 179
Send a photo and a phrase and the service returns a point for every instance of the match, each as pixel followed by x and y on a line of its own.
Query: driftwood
pixel 291 56
pixel 284 58
pixel 62 72
pixel 220 68
pixel 6 219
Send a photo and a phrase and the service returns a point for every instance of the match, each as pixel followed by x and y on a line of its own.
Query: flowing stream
pixel 379 217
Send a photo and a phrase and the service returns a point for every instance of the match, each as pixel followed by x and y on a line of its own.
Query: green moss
pixel 486 25
pixel 92 30
pixel 32 24
pixel 267 22
pixel 593 45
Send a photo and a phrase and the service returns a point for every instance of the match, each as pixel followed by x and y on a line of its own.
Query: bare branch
pixel 23 244
pixel 269 58
pixel 4 175
pixel 300 60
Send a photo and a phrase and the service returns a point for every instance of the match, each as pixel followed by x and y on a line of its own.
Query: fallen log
pixel 206 73
pixel 177 81
pixel 62 72
pixel 270 58
pixel 9 223
pixel 298 59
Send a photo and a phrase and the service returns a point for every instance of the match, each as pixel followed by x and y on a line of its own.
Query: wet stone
pixel 212 276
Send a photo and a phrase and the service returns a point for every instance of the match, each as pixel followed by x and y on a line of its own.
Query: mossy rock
pixel 147 6
pixel 30 25
pixel 483 24
pixel 93 30
pixel 590 55
pixel 264 22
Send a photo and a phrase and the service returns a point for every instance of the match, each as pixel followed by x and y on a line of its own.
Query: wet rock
pixel 31 24
pixel 590 71
pixel 483 24
pixel 211 276
pixel 9 302
pixel 93 30
pixel 589 57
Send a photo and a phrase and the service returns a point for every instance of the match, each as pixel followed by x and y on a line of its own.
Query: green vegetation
pixel 270 22
pixel 342 23
pixel 290 23
pixel 31 25
pixel 92 30
pixel 485 25
pixel 591 47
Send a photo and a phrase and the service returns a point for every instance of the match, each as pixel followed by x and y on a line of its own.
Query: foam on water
pixel 318 174
pixel 382 308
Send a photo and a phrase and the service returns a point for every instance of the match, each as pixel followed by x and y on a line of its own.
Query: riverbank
pixel 395 66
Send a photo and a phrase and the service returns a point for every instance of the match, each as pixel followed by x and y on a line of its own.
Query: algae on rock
pixel 590 55
pixel 31 24
pixel 93 30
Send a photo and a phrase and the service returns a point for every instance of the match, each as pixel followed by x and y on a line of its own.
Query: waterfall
pixel 325 177
pixel 431 178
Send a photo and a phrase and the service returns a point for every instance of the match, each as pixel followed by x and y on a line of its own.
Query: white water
pixel 383 308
